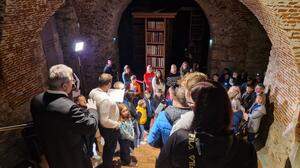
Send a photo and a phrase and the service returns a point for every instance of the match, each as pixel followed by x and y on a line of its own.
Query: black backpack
pixel 195 155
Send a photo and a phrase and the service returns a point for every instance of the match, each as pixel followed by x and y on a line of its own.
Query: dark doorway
pixel 189 34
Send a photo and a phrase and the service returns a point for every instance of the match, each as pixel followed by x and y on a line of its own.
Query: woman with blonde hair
pixel 234 94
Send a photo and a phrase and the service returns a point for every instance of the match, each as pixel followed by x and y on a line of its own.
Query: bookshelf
pixel 156 38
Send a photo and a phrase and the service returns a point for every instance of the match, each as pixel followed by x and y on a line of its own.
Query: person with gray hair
pixel 61 124
pixel 160 131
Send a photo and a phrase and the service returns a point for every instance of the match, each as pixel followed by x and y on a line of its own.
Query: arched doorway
pixel 188 38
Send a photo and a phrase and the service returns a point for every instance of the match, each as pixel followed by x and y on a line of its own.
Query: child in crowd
pixel 135 88
pixel 248 97
pixel 89 140
pixel 260 89
pixel 256 112
pixel 81 101
pixel 128 101
pixel 142 111
pixel 150 109
pixel 119 85
pixel 127 135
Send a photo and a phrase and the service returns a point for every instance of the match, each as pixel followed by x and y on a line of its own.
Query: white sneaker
pixel 97 157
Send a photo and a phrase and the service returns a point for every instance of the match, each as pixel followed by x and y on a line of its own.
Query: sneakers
pixel 96 157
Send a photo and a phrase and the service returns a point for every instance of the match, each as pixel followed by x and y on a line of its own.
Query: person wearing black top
pixel 248 98
pixel 111 69
pixel 61 124
pixel 173 76
pixel 210 142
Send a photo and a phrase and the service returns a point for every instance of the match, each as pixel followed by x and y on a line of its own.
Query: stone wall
pixel 98 27
pixel 239 40
pixel 68 29
pixel 23 67
pixel 51 44
pixel 235 32
pixel 281 21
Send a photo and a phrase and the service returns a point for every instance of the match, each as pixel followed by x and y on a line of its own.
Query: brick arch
pixel 100 25
pixel 236 58
pixel 99 36
pixel 282 76
pixel 22 67
pixel 278 19
pixel 22 55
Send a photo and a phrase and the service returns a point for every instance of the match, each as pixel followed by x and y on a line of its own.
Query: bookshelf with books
pixel 155 38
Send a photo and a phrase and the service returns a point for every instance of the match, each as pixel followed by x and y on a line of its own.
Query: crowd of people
pixel 196 120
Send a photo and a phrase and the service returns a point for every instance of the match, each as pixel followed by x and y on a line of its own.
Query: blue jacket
pixel 160 131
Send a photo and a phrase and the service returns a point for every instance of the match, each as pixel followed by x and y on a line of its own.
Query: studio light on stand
pixel 78 48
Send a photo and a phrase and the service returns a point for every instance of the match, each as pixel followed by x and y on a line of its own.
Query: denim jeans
pixel 141 135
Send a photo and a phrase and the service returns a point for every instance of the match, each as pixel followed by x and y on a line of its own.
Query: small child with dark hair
pixel 260 89
pixel 81 101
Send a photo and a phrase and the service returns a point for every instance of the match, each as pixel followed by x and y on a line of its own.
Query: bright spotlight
pixel 210 42
pixel 79 46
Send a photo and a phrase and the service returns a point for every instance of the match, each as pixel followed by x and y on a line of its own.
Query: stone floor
pixel 146 156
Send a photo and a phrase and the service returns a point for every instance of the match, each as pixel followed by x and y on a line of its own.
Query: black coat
pixel 61 126
pixel 217 152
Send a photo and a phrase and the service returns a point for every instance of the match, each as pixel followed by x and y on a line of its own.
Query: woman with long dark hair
pixel 158 83
pixel 210 143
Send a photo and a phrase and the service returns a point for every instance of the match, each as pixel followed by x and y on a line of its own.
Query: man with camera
pixel 61 124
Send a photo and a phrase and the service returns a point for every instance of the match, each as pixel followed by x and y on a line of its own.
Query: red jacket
pixel 148 80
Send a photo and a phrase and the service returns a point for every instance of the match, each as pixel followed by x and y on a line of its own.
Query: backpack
pixel 195 156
